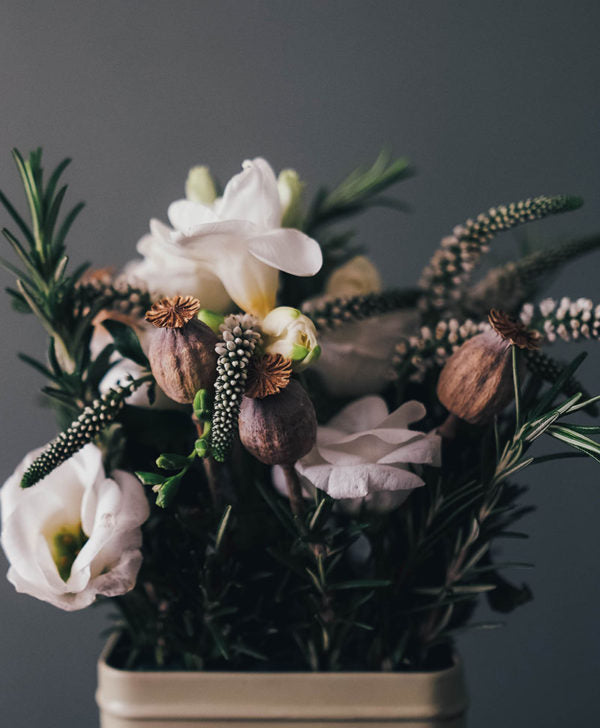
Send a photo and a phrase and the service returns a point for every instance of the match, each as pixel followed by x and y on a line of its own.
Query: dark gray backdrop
pixel 492 101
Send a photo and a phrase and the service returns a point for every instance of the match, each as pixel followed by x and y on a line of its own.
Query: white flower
pixel 356 358
pixel 290 333
pixel 232 249
pixel 357 277
pixel 74 535
pixel 364 451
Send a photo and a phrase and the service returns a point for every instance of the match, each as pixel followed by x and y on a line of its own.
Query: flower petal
pixel 363 414
pixel 252 195
pixel 404 415
pixel 287 250
pixel 426 450
pixel 187 216
pixel 357 481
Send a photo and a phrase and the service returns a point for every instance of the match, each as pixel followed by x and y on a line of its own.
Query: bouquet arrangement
pixel 267 461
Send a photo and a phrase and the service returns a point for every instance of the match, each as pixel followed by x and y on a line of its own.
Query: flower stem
pixel 211 469
pixel 516 382
pixel 292 482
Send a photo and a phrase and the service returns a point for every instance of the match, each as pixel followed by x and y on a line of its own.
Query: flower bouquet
pixel 266 461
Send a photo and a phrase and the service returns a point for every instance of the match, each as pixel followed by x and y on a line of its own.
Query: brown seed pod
pixel 281 428
pixel 268 375
pixel 476 382
pixel 182 350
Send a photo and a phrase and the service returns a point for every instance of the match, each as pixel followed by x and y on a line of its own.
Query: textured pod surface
pixel 476 382
pixel 281 428
pixel 183 360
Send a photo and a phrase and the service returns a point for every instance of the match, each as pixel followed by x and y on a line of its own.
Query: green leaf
pixel 60 396
pixel 53 181
pixel 168 490
pixel 585 429
pixel 148 478
pixel 38 366
pixel 99 367
pixel 585 404
pixel 67 223
pixel 472 588
pixel 126 342
pixel 575 439
pixel 18 301
pixel 52 214
pixel 361 584
pixel 23 227
pixel 222 527
pixel 31 193
pixel 172 461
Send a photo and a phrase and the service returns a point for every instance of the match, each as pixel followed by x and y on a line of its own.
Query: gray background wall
pixel 492 101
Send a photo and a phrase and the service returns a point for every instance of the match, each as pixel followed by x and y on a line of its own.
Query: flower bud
pixel 476 382
pixel 357 277
pixel 182 351
pixel 288 332
pixel 281 428
pixel 199 186
pixel 290 194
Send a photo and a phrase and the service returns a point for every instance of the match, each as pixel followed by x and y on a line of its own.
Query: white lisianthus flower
pixel 229 250
pixel 364 452
pixel 356 358
pixel 357 277
pixel 289 332
pixel 74 535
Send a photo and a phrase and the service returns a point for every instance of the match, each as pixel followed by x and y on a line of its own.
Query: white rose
pixel 230 249
pixel 287 331
pixel 76 534
pixel 356 358
pixel 364 452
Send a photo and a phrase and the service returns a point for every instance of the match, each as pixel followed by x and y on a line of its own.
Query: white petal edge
pixel 287 250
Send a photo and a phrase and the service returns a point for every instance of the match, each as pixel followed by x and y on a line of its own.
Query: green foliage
pixel 64 306
pixel 357 193
pixel 238 576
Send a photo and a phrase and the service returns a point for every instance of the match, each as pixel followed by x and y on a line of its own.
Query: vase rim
pixel 334 696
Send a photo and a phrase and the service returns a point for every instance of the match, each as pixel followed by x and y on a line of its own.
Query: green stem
pixel 294 490
pixel 516 382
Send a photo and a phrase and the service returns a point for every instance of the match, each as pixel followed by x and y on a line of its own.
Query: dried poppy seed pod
pixel 476 382
pixel 281 428
pixel 182 351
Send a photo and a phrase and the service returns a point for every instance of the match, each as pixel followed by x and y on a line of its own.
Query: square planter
pixel 280 700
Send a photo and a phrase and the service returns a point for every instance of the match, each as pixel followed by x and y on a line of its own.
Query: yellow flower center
pixel 65 544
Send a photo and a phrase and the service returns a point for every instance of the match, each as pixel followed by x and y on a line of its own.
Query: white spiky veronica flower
pixel 76 534
pixel 231 249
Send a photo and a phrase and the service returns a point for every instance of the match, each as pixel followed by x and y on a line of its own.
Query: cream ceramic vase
pixel 280 700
